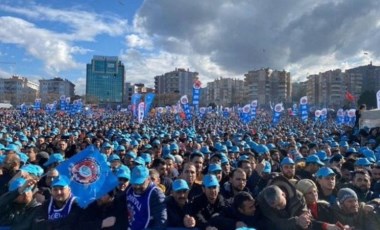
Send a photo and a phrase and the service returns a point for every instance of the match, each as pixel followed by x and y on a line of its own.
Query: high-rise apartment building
pixel 329 88
pixel 17 90
pixel 225 91
pixel 105 80
pixel 178 81
pixel 370 77
pixel 266 85
pixel 53 89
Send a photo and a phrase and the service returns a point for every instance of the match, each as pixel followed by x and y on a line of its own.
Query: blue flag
pixel 90 176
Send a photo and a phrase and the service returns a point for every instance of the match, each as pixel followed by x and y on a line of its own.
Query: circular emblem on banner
pixel 340 112
pixel 254 103
pixel 160 110
pixel 278 108
pixel 323 112
pixel 197 84
pixel 351 113
pixel 246 109
pixel 184 100
pixel 318 113
pixel 202 110
pixel 86 171
pixel 303 101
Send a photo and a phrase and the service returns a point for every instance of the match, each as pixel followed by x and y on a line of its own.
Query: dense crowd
pixel 210 173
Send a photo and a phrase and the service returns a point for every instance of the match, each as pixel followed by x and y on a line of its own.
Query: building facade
pixel 105 80
pixel 225 92
pixel 370 75
pixel 266 85
pixel 53 89
pixel 179 81
pixel 328 89
pixel 17 90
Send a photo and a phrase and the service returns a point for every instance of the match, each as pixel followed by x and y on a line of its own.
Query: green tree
pixel 368 98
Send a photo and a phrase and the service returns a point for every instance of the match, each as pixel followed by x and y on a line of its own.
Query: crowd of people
pixel 210 173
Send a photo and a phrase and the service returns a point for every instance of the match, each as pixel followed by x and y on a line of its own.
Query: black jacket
pixel 229 216
pixel 202 210
pixel 175 213
pixel 17 216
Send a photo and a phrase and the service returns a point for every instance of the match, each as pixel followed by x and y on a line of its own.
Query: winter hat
pixel 346 193
pixel 304 185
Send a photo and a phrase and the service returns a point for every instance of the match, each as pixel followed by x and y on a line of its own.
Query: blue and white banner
pixel 253 109
pixel 141 112
pixel 323 117
pixel 340 117
pixel 186 108
pixel 202 112
pixel 62 102
pixel 304 108
pixel 317 114
pixel 196 94
pixel 67 103
pixel 149 98
pixel 278 108
pixel 351 117
pixel 23 108
pixel 295 109
pixel 226 112
pixel 37 104
pixel 135 100
pixel 245 115
pixel 90 176
pixel 159 112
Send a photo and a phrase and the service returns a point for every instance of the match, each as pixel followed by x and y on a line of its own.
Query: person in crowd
pixel 209 203
pixel 177 204
pixel 11 165
pixel 237 183
pixel 326 183
pixel 18 207
pixel 361 184
pixel 312 165
pixel 242 213
pixel 349 212
pixel 320 210
pixel 189 174
pixel 284 212
pixel 61 211
pixel 145 202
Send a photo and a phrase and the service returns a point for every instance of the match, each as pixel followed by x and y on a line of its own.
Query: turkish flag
pixel 350 97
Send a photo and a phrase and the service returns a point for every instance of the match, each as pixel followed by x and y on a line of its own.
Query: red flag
pixel 349 97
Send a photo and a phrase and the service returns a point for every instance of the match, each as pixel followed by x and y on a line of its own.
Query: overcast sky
pixel 217 38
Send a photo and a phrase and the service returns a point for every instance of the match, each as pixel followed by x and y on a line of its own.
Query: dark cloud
pixel 244 35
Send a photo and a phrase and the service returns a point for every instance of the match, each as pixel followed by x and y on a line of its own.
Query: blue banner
pixel 253 109
pixel 67 103
pixel 245 114
pixel 149 98
pixel 90 176
pixel 340 117
pixel 304 108
pixel 23 108
pixel 196 95
pixel 277 110
pixel 135 100
pixel 186 108
pixel 62 102
pixel 323 117
pixel 37 104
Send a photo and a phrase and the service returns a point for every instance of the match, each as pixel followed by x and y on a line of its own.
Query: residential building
pixel 329 88
pixel 178 81
pixel 53 89
pixel 226 92
pixel 105 80
pixel 17 90
pixel 266 85
pixel 370 77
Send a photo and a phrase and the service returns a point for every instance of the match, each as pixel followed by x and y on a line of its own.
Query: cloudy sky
pixel 217 38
